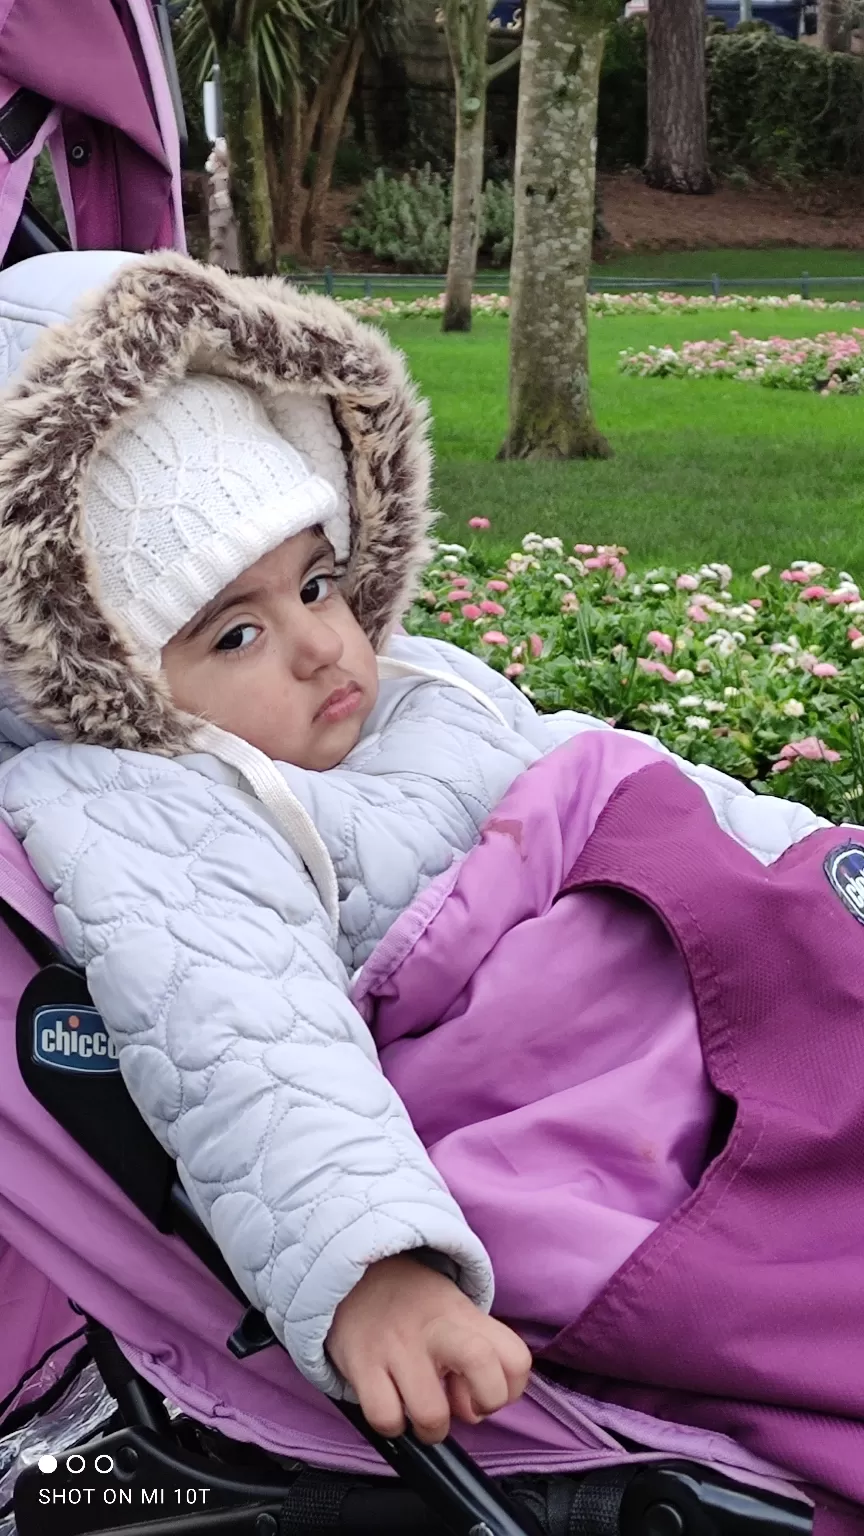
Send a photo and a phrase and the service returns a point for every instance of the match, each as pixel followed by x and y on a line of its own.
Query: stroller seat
pixel 151 1472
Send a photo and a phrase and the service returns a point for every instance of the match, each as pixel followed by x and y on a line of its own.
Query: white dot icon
pixel 47 1463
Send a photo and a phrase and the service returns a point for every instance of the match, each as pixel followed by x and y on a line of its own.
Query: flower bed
pixel 603 304
pixel 761 682
pixel 832 363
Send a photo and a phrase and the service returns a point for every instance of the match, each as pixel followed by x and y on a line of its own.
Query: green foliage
pixel 496 228
pixel 353 164
pixel 293 39
pixel 779 108
pixel 406 219
pixel 775 107
pixel 766 688
pixel 623 101
pixel 43 191
pixel 277 39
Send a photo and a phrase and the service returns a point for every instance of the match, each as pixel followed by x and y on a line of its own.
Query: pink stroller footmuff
pixel 162 1320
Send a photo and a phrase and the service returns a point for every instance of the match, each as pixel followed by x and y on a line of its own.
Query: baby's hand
pixel 410 1342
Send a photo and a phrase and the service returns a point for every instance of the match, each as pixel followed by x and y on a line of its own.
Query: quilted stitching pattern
pixel 16 338
pixel 208 954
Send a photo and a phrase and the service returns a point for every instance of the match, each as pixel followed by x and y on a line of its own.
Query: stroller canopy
pixel 89 81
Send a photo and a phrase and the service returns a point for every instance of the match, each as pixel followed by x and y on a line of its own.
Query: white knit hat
pixel 197 485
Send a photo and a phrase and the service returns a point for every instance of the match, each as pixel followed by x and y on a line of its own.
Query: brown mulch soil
pixel 638 218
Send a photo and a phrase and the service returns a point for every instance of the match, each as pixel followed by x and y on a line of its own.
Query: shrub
pixel 763 682
pixel 406 219
pixel 496 229
pixel 775 108
pixel 623 100
pixel 43 191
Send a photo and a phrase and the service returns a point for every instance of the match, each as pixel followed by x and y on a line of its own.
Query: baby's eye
pixel 317 589
pixel 239 638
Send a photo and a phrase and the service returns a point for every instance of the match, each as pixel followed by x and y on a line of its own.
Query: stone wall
pixel 408 100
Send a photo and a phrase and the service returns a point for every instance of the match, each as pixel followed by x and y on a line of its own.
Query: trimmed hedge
pixel 775 107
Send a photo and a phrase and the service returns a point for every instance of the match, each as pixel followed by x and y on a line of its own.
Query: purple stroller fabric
pixel 63 1220
pixel 88 80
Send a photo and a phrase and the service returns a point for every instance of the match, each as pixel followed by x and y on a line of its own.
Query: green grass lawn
pixel 703 469
pixel 783 263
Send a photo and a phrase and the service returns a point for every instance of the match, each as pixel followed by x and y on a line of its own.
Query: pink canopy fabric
pixel 89 81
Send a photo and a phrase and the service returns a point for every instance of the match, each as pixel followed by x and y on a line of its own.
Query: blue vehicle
pixel 784 16
pixel 506 13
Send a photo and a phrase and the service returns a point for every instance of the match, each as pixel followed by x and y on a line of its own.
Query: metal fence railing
pixel 365 284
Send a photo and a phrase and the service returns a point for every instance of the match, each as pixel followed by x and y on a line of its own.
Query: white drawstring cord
pixel 268 786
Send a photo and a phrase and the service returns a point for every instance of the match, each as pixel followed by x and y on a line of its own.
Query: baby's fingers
pixel 515 1357
pixel 379 1398
pixel 474 1358
pixel 461 1403
pixel 424 1396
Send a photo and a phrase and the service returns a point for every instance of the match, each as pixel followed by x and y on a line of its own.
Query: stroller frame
pixel 440 1488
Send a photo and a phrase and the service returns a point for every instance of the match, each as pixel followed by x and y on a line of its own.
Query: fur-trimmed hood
pixel 74 672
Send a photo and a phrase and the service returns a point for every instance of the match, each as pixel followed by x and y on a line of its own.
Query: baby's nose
pixel 318 645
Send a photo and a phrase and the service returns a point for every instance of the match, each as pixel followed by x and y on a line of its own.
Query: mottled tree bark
pixel 550 409
pixel 466 26
pixel 677 111
pixel 231 23
pixel 834 26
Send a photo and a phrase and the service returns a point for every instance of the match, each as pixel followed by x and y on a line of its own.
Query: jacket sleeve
pixel 208 954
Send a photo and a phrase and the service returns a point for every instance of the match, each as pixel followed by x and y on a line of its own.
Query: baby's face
pixel 279 659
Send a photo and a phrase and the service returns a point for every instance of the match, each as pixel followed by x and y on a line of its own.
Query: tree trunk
pixel 300 123
pixel 677 112
pixel 293 162
pixel 466 24
pixel 331 133
pixel 834 26
pixel 550 410
pixel 244 130
pixel 275 166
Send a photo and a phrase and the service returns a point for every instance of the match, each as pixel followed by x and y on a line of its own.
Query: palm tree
pixel 256 44
pixel 354 27
pixel 296 62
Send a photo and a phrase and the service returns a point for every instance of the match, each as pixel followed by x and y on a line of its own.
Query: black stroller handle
pixel 448 1480
pixel 675 1498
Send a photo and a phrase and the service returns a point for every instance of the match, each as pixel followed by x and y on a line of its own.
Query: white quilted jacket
pixel 207 943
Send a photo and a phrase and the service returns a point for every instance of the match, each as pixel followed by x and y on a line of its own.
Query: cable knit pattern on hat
pixel 194 488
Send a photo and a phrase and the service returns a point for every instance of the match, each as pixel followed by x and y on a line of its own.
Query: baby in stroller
pixel 264 813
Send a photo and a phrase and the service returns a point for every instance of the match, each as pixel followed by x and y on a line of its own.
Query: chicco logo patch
pixel 73 1040
pixel 845 870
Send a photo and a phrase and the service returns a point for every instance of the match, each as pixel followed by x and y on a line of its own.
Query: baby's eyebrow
pixel 321 552
pixel 221 605
pixel 224 601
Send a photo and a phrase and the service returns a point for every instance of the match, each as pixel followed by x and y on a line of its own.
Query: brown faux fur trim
pixel 161 317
